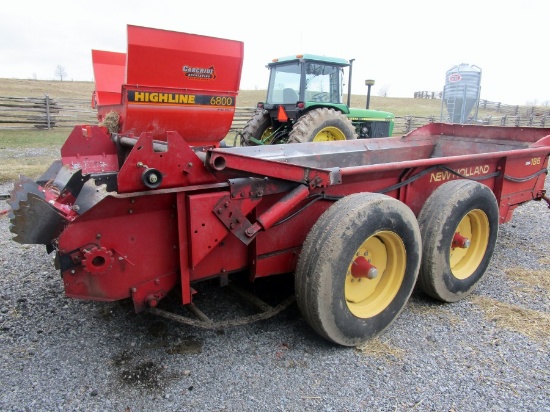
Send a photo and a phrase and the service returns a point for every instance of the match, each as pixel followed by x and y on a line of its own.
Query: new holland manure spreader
pixel 148 203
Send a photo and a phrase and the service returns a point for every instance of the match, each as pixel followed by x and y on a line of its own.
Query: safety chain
pixel 209 324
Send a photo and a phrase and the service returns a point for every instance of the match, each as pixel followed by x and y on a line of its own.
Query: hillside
pixel 39 88
pixel 246 98
pixel 400 106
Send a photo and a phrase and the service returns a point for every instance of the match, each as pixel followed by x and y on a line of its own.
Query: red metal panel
pixel 206 231
pixel 182 82
pixel 525 169
pixel 171 81
pixel 140 233
pixel 230 255
pixel 202 118
pixel 183 248
pixel 164 58
pixel 109 76
pixel 415 193
pixel 179 165
pixel 518 134
pixel 276 263
pixel 90 149
pixel 228 161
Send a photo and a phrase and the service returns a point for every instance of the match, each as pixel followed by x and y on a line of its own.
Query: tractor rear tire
pixel 457 211
pixel 258 127
pixel 340 304
pixel 322 125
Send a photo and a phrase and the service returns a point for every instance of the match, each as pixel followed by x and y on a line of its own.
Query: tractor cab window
pixel 284 84
pixel 323 83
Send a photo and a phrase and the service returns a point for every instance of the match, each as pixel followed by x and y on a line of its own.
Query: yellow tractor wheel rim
pixel 329 134
pixel 365 297
pixel 475 227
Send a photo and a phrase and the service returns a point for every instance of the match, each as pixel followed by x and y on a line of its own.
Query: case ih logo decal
pixel 135 96
pixel 199 73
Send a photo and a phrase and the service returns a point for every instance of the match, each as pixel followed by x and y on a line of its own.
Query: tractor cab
pixel 304 103
pixel 304 81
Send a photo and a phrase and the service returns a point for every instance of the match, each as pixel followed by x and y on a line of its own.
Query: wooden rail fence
pixel 44 112
pixel 47 113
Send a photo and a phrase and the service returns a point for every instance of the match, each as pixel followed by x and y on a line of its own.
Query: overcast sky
pixel 405 45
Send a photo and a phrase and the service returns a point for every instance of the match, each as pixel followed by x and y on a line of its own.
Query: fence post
pixel 48 111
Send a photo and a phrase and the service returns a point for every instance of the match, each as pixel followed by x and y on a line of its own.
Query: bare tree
pixel 383 91
pixel 60 72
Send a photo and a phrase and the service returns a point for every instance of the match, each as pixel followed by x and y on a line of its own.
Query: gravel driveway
pixel 488 352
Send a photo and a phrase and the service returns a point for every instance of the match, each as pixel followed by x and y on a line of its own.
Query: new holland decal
pixel 466 171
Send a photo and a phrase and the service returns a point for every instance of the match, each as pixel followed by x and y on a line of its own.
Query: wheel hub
pixel 375 274
pixel 469 244
pixel 362 268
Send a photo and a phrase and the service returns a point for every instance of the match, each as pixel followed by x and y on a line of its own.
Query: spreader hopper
pixel 169 81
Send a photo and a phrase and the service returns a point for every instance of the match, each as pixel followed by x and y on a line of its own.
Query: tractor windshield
pixel 323 83
pixel 284 84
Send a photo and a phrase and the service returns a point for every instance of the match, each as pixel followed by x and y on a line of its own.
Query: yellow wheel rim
pixel 365 297
pixel 474 227
pixel 329 134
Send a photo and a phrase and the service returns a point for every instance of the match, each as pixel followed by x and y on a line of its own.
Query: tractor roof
pixel 310 57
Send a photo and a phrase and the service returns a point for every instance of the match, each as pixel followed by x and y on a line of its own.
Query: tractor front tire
pixel 257 128
pixel 322 125
pixel 358 267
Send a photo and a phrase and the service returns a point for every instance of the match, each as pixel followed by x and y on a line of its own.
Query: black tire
pixel 466 207
pixel 258 127
pixel 320 125
pixel 333 301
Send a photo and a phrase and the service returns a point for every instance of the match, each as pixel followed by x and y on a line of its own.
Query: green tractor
pixel 304 104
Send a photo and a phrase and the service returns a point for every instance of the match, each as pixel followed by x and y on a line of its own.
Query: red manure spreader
pixel 148 202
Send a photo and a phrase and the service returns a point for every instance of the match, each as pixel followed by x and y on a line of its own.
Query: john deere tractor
pixel 304 104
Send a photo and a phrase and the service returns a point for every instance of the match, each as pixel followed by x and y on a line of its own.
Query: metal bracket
pixel 231 215
pixel 247 187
